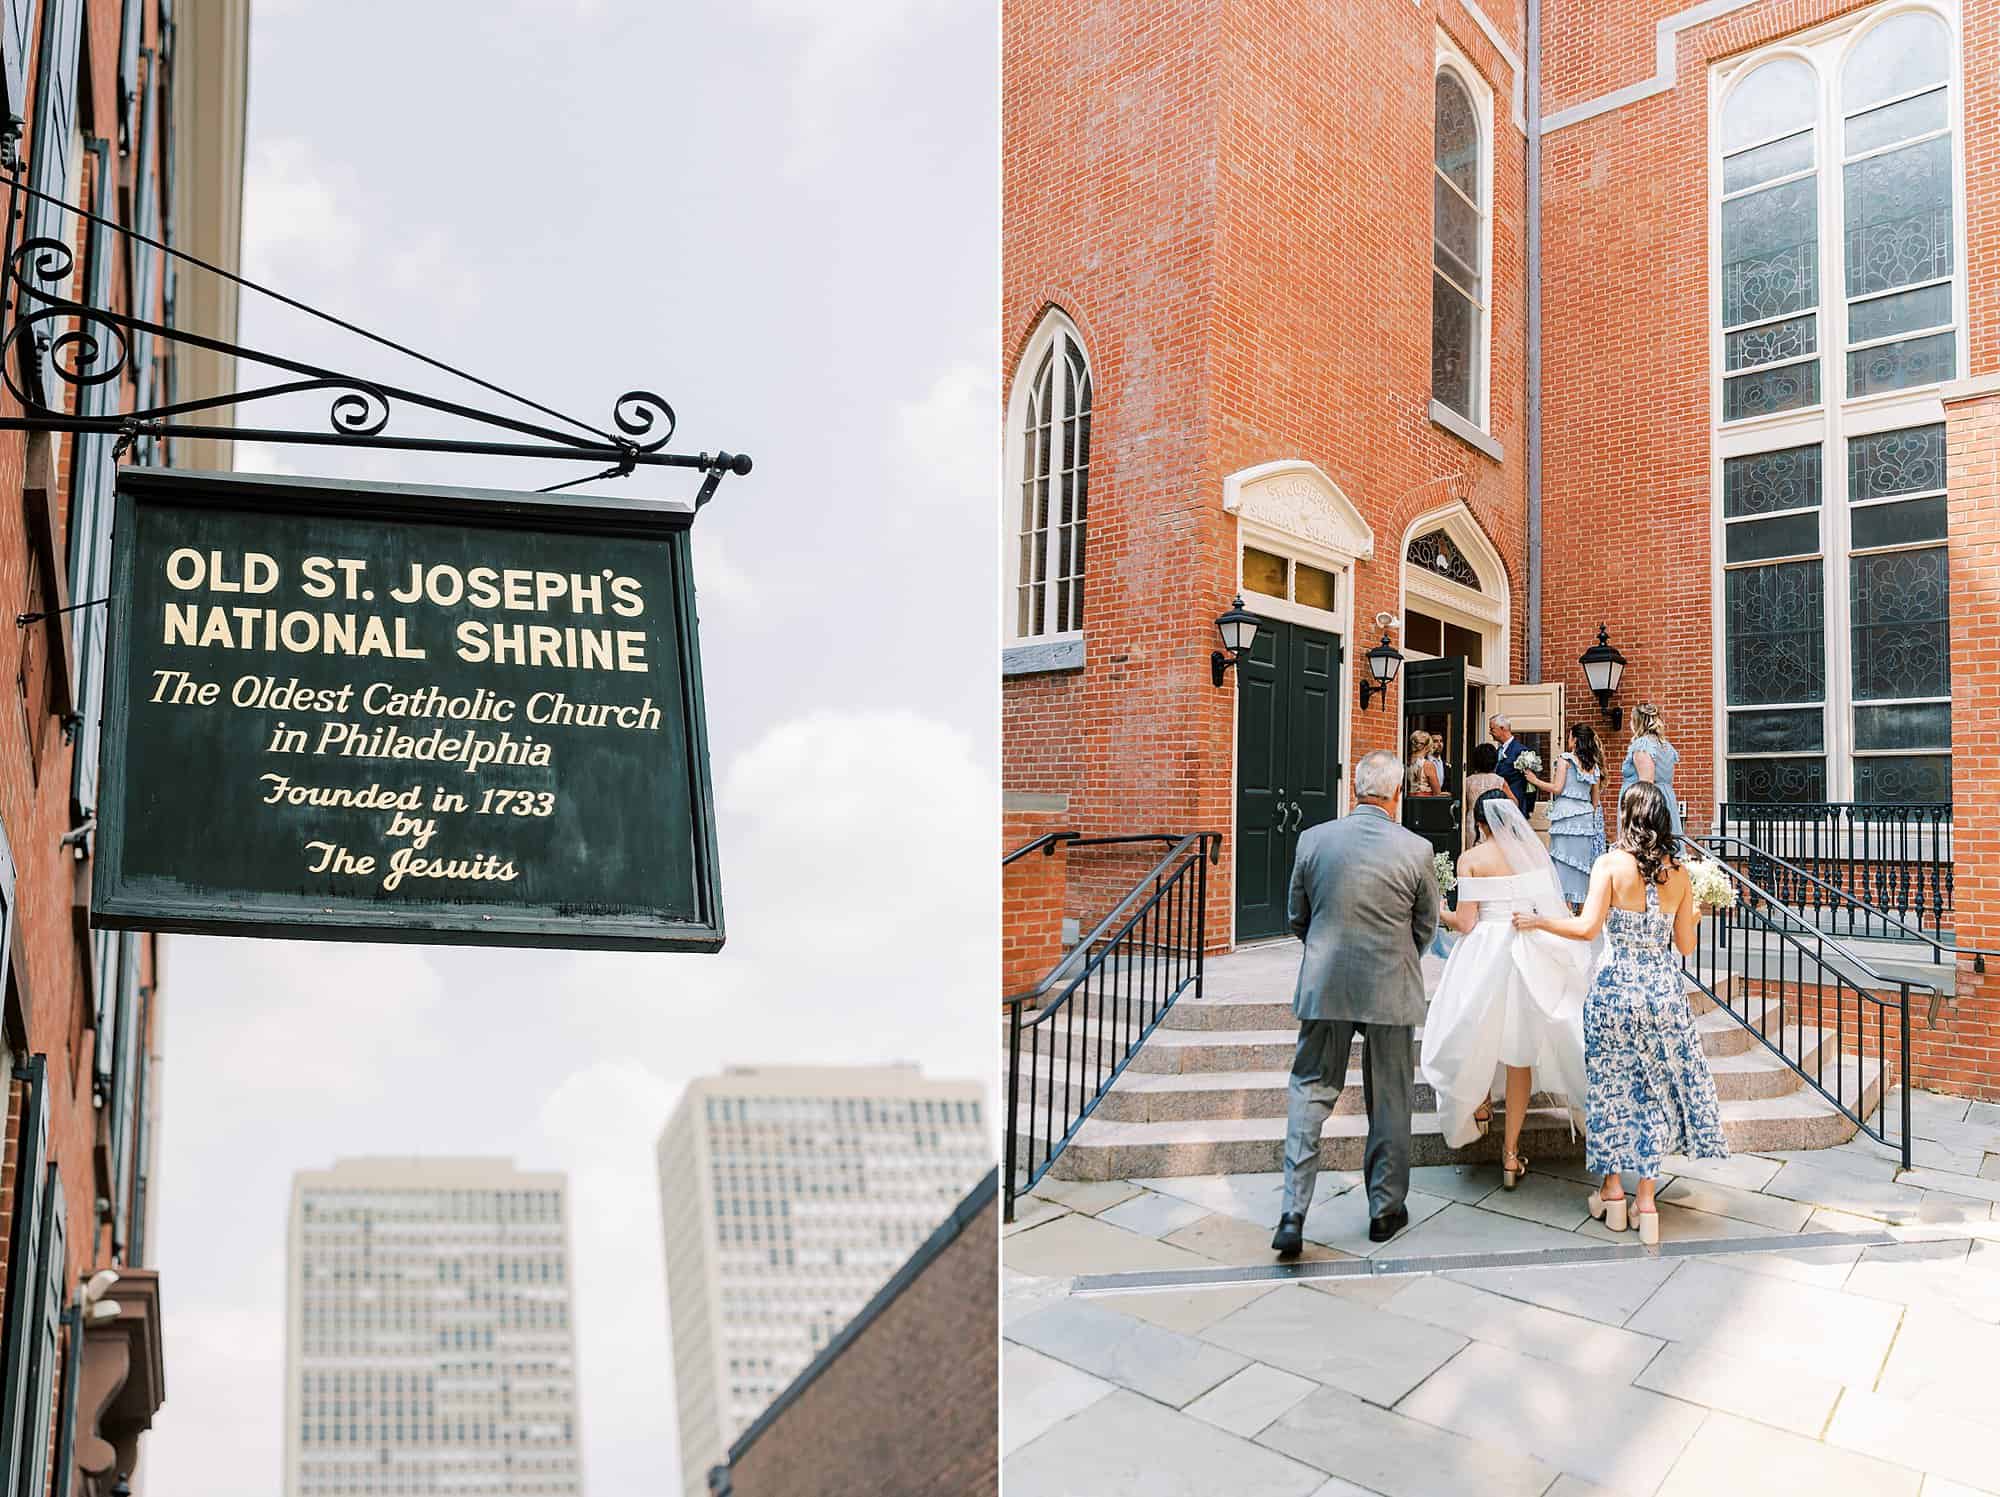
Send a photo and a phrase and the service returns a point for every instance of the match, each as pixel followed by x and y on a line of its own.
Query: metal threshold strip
pixel 1163 1280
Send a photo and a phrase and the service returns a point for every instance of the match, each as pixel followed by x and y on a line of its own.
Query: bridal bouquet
pixel 1441 870
pixel 1710 886
pixel 1529 760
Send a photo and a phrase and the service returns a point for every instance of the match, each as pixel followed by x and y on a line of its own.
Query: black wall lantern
pixel 1604 667
pixel 1383 663
pixel 1238 629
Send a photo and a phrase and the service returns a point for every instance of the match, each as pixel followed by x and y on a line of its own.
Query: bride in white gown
pixel 1510 1004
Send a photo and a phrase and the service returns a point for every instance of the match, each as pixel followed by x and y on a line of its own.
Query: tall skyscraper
pixel 791 1194
pixel 429 1345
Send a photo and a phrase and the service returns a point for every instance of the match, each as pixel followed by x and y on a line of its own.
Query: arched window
pixel 1050 484
pixel 1896 188
pixel 1834 597
pixel 1458 251
pixel 1770 242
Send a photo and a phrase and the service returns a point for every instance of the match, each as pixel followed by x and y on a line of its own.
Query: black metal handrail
pixel 1723 844
pixel 1777 995
pixel 1046 844
pixel 1102 1002
pixel 1884 857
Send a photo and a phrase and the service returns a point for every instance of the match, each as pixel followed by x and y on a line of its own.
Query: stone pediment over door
pixel 1295 499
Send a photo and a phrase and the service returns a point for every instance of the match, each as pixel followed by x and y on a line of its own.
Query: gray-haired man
pixel 1365 902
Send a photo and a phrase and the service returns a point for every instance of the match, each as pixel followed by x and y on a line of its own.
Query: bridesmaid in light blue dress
pixel 1650 1090
pixel 1651 759
pixel 1576 825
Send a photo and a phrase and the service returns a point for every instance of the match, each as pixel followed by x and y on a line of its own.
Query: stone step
pixel 1166 1096
pixel 1107 1149
pixel 1226 1047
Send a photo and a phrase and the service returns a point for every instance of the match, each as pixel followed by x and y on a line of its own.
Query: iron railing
pixel 1817 1004
pixel 1046 845
pixel 1072 1035
pixel 1834 909
pixel 1892 861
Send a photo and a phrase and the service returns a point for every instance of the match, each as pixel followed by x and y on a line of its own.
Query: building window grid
pixel 1050 522
pixel 1841 759
pixel 1459 240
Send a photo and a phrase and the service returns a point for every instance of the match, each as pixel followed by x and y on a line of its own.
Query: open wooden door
pixel 1535 712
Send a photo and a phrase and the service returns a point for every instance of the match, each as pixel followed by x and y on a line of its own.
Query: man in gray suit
pixel 1365 902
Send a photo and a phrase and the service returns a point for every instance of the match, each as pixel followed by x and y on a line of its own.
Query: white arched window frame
pixel 1436 592
pixel 1046 505
pixel 1461 245
pixel 1831 625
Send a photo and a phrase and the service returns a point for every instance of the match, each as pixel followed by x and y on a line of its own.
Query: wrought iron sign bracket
pixel 22 620
pixel 51 338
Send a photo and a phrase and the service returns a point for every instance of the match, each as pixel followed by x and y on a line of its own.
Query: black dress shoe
pixel 1291 1236
pixel 1387 1225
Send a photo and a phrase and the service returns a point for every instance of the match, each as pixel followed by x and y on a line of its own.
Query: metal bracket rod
pixel 22 620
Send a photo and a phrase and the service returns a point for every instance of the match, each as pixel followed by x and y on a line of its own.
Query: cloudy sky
pixel 781 215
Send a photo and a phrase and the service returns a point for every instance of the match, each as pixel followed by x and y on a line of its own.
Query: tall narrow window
pixel 1053 486
pixel 1458 250
pixel 1896 184
pixel 1774 623
pixel 1899 626
pixel 1835 603
pixel 1770 242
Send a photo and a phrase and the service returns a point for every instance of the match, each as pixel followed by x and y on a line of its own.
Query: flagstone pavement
pixel 1848 1371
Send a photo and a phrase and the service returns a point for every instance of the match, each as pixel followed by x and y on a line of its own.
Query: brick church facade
pixel 1475 330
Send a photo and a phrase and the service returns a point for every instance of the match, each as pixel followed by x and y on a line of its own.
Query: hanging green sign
pixel 377 712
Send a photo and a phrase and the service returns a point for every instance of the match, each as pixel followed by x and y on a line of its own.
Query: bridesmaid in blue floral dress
pixel 1650 1092
pixel 1576 826
pixel 1651 759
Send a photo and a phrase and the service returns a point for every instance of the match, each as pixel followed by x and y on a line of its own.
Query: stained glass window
pixel 1054 490
pixel 1770 242
pixel 1896 205
pixel 1458 250
pixel 1836 607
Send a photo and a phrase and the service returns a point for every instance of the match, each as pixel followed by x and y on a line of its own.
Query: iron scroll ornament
pixel 98 348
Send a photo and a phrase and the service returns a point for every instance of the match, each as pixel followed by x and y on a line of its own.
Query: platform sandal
pixel 1611 1212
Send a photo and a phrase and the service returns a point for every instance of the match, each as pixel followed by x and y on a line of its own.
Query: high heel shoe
pixel 1649 1227
pixel 1510 1174
pixel 1611 1212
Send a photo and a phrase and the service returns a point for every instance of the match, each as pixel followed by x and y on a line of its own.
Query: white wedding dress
pixel 1507 998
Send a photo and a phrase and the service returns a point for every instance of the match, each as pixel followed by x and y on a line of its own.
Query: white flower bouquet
pixel 1442 871
pixel 1529 760
pixel 1710 886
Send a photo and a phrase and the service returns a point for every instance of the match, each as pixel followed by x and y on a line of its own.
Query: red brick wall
pixel 1963 1054
pixel 49 999
pixel 1031 902
pixel 908 1406
pixel 1183 181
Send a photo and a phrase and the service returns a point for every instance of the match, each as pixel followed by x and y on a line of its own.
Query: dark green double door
pixel 1288 771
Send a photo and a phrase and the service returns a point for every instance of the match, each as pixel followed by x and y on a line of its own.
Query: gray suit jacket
pixel 1365 902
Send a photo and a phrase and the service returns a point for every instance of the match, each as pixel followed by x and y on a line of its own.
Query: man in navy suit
pixel 1511 749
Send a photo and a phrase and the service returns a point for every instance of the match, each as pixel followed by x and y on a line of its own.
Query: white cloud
pixel 262 457
pixel 293 215
pixel 717 577
pixel 840 52
pixel 947 436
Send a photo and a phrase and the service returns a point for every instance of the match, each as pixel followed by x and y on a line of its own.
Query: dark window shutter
pixel 51 1290
pixel 90 507
pixel 24 1254
pixel 17 22
pixel 66 1414
pixel 142 1059
pixel 109 953
pixel 131 32
pixel 123 1071
pixel 52 163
